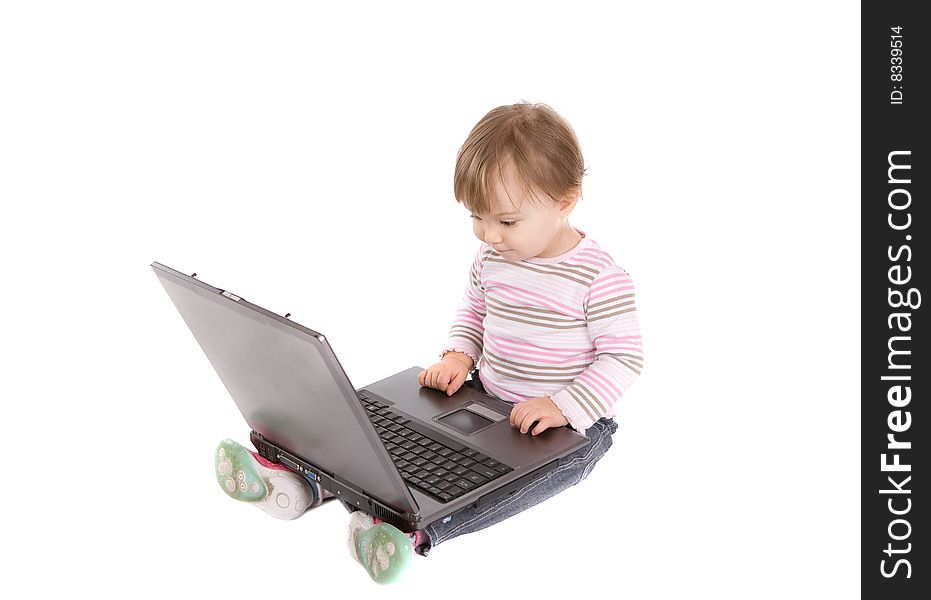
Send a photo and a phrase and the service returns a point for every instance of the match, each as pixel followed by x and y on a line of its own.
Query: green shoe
pixel 246 477
pixel 384 550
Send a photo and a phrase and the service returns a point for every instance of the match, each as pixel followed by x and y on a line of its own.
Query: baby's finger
pixel 521 421
pixel 456 384
pixel 420 377
pixel 542 426
pixel 528 421
pixel 517 414
pixel 444 381
pixel 441 380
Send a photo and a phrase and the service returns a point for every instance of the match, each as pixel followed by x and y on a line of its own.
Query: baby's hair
pixel 534 139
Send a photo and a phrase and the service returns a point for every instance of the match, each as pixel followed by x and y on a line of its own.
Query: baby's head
pixel 520 175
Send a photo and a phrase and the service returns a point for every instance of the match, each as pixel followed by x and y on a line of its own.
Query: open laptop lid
pixel 288 385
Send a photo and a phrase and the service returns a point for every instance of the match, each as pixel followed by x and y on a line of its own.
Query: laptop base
pixel 343 491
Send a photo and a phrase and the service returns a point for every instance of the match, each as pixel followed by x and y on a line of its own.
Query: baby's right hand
pixel 449 374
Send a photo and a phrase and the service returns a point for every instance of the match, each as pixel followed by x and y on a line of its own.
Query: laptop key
pixel 450 465
pixel 503 469
pixel 465 484
pixel 451 477
pixel 445 496
pixel 484 471
pixel 476 478
pixel 460 470
pixel 455 491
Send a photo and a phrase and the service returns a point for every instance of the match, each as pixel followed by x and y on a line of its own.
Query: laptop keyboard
pixel 442 470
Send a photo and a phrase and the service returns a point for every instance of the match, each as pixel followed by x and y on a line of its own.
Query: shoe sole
pixel 385 552
pixel 280 493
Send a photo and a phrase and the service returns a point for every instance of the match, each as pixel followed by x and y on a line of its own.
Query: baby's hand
pixel 449 374
pixel 542 409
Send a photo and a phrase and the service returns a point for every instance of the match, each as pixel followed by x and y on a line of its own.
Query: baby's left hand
pixel 537 409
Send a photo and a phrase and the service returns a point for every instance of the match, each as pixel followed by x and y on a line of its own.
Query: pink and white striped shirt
pixel 564 327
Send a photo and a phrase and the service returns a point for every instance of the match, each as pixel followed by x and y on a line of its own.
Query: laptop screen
pixel 287 384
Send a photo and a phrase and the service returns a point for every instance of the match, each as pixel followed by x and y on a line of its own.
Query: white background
pixel 301 155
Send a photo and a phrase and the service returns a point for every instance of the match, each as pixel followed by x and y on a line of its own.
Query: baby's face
pixel 519 229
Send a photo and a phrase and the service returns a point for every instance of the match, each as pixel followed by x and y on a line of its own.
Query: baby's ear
pixel 569 201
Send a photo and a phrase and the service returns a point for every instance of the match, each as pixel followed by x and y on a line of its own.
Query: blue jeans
pixel 569 471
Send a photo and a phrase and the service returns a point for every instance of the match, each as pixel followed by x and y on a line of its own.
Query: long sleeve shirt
pixel 564 327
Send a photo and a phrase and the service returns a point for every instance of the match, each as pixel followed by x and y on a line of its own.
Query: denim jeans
pixel 569 471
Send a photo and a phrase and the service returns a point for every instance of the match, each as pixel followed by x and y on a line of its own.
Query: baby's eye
pixel 505 223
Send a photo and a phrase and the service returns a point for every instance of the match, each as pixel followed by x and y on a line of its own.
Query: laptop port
pixel 290 463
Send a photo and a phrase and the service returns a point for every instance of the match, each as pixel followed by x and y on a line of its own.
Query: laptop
pixel 407 454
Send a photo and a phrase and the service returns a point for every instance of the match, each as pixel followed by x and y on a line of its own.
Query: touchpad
pixel 467 421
